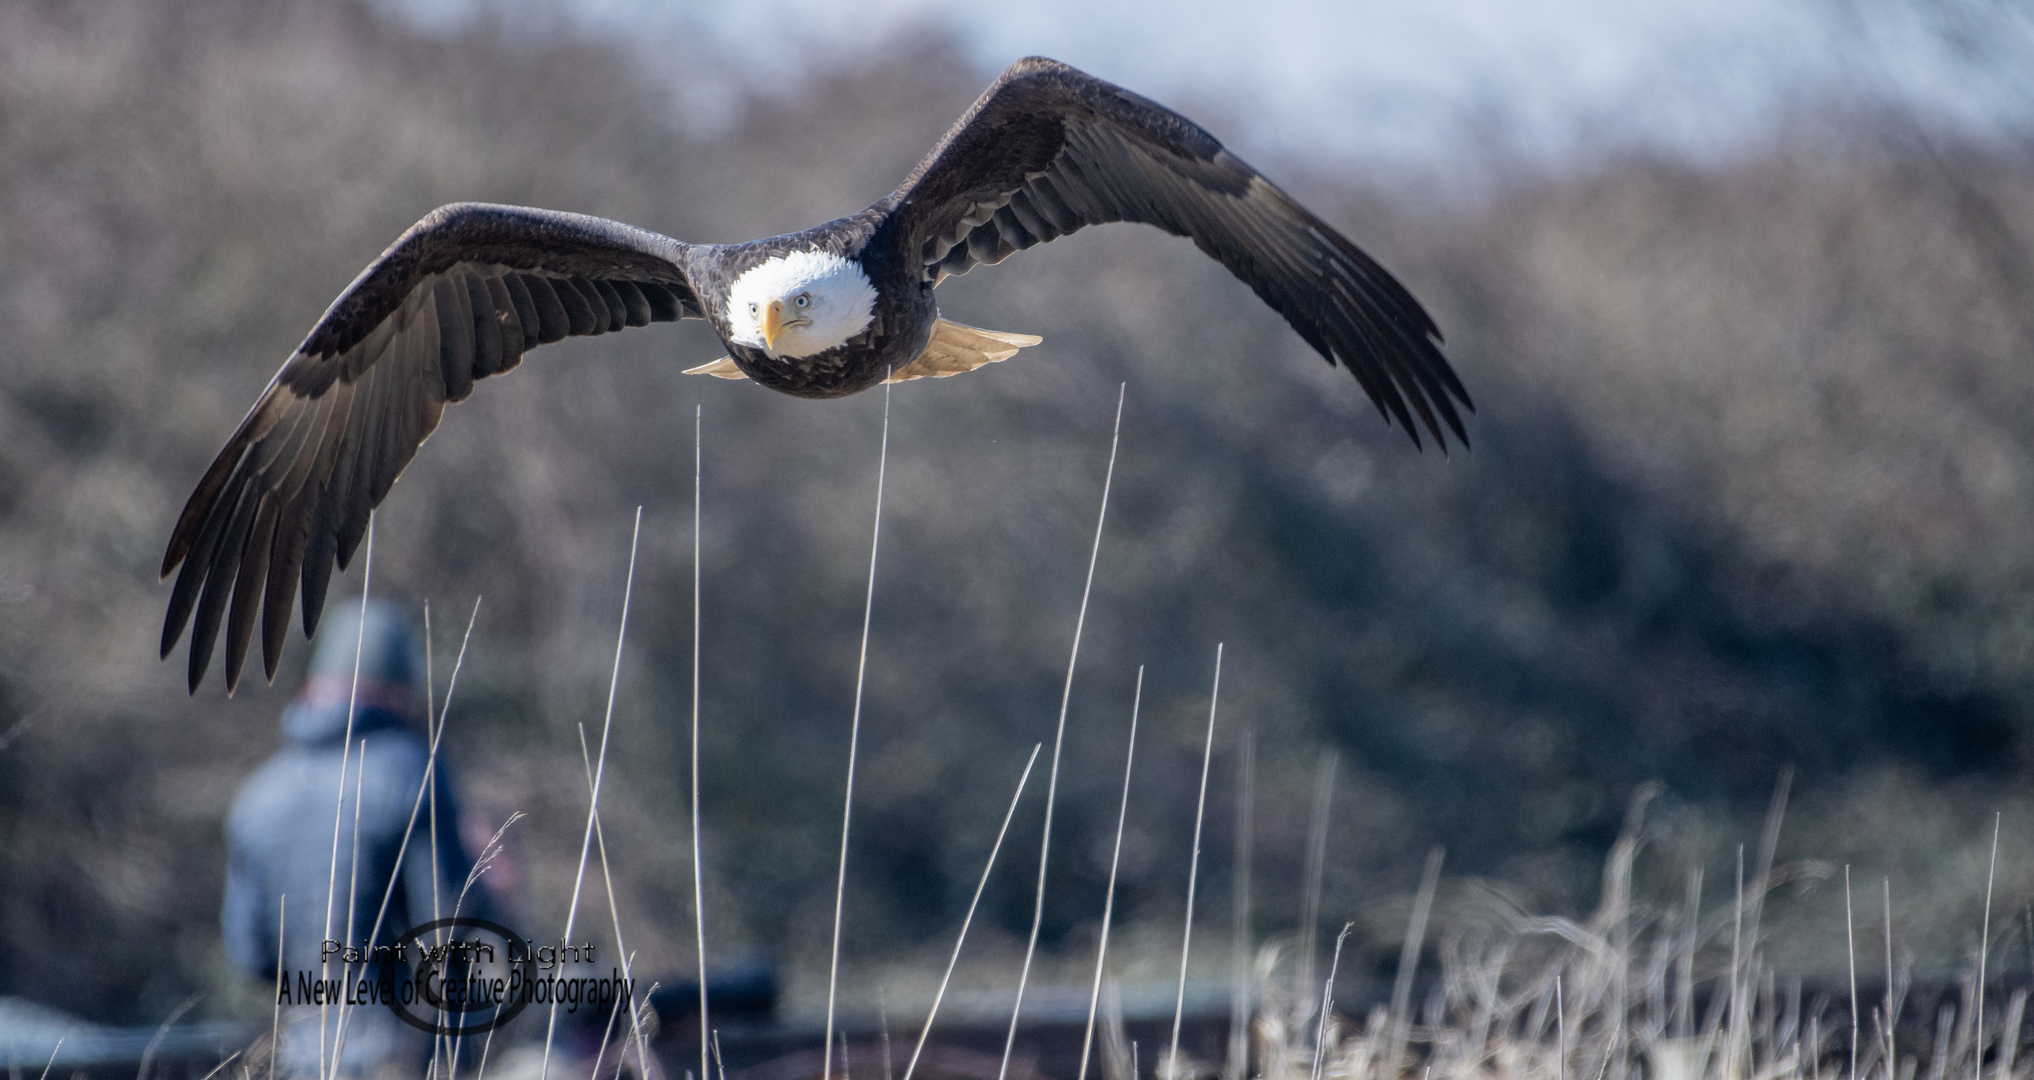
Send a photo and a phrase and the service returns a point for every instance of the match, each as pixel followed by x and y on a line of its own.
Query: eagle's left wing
pixel 1049 149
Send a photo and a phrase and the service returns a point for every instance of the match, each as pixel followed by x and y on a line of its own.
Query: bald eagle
pixel 827 312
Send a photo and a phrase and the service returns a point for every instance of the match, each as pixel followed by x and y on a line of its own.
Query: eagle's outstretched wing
pixel 461 296
pixel 1049 149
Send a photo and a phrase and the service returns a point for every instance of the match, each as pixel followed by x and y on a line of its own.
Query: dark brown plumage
pixel 1045 151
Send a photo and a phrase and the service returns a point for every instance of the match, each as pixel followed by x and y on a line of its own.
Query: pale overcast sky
pixel 1418 78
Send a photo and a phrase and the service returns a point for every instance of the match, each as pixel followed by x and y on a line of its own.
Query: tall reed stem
pixel 854 742
pixel 1194 873
pixel 328 1064
pixel 1984 950
pixel 1109 898
pixel 599 773
pixel 969 920
pixel 1238 1065
pixel 698 872
pixel 1059 740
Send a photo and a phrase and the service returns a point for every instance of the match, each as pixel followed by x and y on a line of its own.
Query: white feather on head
pixel 838 302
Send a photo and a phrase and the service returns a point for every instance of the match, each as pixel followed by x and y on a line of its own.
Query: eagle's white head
pixel 800 304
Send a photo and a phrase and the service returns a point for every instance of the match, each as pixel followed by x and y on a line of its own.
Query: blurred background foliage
pixel 1752 484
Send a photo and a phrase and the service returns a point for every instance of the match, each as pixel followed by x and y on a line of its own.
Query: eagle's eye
pixel 804 300
pixel 753 307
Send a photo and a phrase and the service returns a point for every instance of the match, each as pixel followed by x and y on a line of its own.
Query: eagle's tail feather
pixel 723 368
pixel 953 348
pixel 956 347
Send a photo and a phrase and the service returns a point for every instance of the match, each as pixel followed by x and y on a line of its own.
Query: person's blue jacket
pixel 280 831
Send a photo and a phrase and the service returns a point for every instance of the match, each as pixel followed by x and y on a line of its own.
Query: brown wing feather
pixel 1048 150
pixel 461 296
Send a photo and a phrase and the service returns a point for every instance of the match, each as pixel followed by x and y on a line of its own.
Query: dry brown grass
pixel 1645 989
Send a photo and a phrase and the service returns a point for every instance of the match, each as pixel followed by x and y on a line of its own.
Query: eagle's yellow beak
pixel 773 323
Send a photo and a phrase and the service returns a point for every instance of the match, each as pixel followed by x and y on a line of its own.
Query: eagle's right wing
pixel 460 296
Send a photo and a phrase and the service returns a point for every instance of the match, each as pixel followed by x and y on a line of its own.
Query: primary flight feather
pixel 826 312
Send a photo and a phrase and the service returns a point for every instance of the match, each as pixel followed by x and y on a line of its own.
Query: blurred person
pixel 280 840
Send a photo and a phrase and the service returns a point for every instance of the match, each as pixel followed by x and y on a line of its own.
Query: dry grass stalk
pixel 1109 899
pixel 599 772
pixel 1237 1066
pixel 1172 1067
pixel 698 873
pixel 1316 864
pixel 962 939
pixel 1059 739
pixel 1850 950
pixel 328 1060
pixel 854 742
pixel 435 723
pixel 1984 950
pixel 628 958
